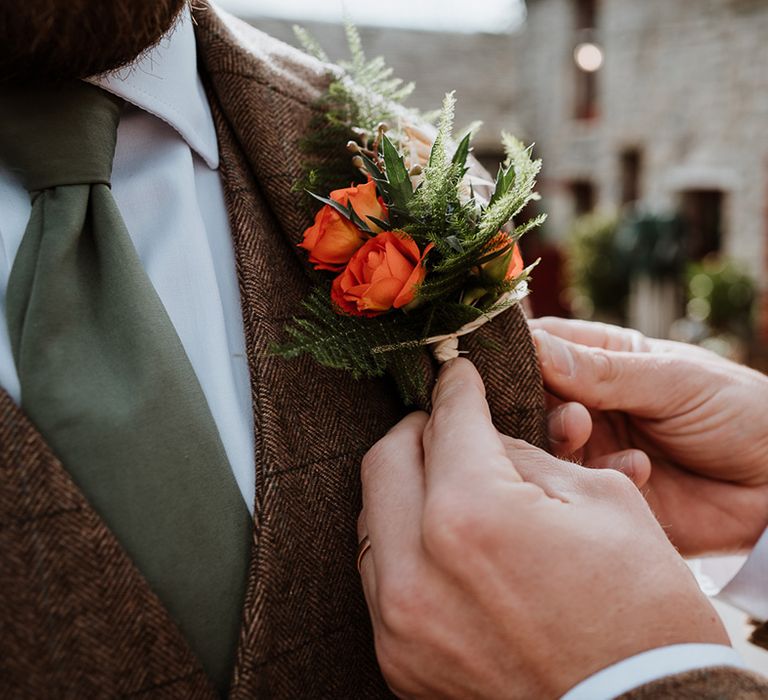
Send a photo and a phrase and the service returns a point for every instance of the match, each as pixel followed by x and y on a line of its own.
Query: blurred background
pixel 650 118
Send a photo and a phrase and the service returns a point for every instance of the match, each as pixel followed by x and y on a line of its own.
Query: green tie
pixel 104 376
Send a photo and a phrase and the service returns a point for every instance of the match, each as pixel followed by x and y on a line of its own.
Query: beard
pixel 53 40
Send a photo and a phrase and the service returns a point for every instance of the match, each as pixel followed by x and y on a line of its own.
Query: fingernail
pixel 625 463
pixel 556 425
pixel 628 466
pixel 556 353
pixel 445 367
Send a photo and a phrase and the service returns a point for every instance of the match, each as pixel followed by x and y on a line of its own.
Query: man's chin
pixel 55 40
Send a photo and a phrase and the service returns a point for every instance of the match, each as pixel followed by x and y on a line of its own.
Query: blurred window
pixel 588 58
pixel 583 193
pixel 586 14
pixel 702 212
pixel 631 163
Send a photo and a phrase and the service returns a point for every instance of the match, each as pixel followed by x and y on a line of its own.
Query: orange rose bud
pixel 516 264
pixel 333 239
pixel 364 200
pixel 506 266
pixel 384 274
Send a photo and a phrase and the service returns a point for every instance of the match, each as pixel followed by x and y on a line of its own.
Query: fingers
pixel 608 337
pixel 634 464
pixel 567 481
pixel 393 496
pixel 647 384
pixel 460 440
pixel 598 335
pixel 569 426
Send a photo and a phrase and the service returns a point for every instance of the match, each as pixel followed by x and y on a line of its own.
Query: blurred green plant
pixel 650 244
pixel 599 286
pixel 721 295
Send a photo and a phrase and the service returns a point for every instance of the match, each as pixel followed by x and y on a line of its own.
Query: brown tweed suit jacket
pixel 77 620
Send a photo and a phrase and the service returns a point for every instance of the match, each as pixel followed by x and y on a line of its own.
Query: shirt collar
pixel 164 82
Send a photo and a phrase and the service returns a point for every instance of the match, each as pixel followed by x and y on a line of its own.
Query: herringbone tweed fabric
pixel 721 683
pixel 78 620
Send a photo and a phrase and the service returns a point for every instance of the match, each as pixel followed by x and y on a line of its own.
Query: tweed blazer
pixel 77 618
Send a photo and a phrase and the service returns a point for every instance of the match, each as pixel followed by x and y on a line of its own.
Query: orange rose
pixel 382 275
pixel 333 239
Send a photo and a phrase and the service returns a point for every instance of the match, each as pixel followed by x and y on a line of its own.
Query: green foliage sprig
pixel 361 94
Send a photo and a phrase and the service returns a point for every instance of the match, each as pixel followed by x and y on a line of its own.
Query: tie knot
pixel 62 134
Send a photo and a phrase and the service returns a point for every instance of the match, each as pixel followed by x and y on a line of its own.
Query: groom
pixel 177 505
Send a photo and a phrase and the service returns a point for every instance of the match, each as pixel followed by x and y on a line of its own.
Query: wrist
pixel 669 617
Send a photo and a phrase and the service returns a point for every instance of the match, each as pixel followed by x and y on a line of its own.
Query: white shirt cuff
pixel 650 666
pixel 748 590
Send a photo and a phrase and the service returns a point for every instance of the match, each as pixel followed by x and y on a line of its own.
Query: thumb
pixel 459 439
pixel 645 384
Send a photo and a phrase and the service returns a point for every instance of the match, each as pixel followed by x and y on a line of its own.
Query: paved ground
pixel 736 623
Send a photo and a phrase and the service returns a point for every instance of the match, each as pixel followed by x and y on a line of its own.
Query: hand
pixel 695 426
pixel 497 570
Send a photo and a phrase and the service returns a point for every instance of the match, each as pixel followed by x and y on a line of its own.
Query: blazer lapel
pixel 306 631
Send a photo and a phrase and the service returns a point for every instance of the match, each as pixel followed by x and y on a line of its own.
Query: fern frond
pixel 529 225
pixel 355 44
pixel 310 44
pixel 436 201
pixel 470 130
pixel 438 157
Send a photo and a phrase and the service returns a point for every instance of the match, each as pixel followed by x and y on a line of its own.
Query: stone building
pixel 674 117
pixel 671 114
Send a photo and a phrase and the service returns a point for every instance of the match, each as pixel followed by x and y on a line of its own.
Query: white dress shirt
pixel 166 184
pixel 650 666
pixel 748 590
